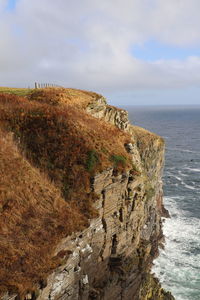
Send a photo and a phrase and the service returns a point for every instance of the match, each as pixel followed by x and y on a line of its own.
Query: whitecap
pixel 178 264
pixel 190 187
pixel 182 150
pixel 193 169
pixel 182 174
pixel 187 186
pixel 177 177
pixel 183 183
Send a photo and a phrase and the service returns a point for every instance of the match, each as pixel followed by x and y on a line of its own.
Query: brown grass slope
pixel 63 96
pixel 54 95
pixel 56 150
pixel 33 217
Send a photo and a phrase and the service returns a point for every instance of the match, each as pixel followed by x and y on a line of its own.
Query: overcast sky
pixel 132 51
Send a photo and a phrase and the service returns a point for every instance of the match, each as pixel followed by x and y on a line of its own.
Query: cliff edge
pixel 80 199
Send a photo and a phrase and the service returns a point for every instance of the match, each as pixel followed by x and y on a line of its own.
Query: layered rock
pixel 99 109
pixel 112 258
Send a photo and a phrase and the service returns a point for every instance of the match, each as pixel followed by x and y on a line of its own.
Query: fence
pixel 46 85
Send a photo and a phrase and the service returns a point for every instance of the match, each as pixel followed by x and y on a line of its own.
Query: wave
pixel 190 187
pixel 179 263
pixel 183 150
pixel 193 169
pixel 182 182
pixel 182 174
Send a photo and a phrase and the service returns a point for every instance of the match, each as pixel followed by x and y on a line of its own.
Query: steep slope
pixel 82 204
pixel 32 217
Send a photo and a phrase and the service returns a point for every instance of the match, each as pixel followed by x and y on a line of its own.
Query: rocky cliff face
pixel 111 259
pixel 113 115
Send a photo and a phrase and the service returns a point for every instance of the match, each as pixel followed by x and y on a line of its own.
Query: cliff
pixel 81 200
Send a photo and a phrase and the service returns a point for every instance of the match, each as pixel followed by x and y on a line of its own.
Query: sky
pixel 137 52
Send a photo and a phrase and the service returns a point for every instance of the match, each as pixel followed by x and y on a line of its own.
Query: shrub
pixel 92 160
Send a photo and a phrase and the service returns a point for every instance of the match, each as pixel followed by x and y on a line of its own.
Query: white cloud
pixel 86 44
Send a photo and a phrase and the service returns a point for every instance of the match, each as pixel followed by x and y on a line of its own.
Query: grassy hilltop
pixel 15 91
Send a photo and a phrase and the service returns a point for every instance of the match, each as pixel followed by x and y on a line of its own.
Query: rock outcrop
pixel 111 114
pixel 112 258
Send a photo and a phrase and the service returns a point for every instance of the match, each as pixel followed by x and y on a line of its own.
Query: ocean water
pixel 178 266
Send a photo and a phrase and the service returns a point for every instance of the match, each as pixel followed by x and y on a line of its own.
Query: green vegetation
pixel 92 160
pixel 16 91
pixel 118 160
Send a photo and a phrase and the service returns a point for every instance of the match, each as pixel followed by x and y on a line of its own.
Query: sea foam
pixel 178 264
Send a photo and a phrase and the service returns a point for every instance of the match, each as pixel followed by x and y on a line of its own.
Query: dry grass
pixel 15 91
pixel 33 217
pixel 64 147
pixel 145 138
pixel 62 96
pixel 55 96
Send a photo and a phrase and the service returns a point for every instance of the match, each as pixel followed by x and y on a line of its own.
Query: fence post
pixel 46 85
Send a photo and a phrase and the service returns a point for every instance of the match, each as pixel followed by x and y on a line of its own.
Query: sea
pixel 178 266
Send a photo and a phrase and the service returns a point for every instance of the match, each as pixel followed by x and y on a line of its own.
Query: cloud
pixel 86 44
